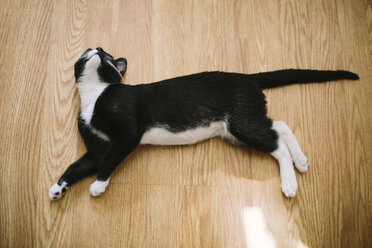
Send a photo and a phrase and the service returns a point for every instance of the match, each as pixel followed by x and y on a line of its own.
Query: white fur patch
pixel 98 187
pixel 90 87
pixel 287 173
pixel 300 160
pixel 100 134
pixel 162 136
pixel 91 53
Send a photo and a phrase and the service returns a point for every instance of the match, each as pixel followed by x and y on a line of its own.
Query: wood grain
pixel 207 195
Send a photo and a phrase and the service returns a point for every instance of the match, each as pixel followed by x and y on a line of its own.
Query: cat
pixel 115 118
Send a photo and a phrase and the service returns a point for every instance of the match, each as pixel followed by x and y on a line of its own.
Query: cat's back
pixel 200 83
pixel 205 77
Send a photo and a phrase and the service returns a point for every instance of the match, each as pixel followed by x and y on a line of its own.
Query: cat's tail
pixel 292 76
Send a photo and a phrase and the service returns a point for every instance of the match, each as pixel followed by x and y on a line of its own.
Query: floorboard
pixel 207 195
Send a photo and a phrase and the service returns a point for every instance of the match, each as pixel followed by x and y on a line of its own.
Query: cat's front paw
pixel 98 187
pixel 289 188
pixel 57 190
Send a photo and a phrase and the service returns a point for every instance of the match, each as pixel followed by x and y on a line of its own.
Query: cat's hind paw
pixel 289 188
pixel 301 163
pixel 57 190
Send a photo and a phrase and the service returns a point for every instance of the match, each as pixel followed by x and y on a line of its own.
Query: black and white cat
pixel 115 118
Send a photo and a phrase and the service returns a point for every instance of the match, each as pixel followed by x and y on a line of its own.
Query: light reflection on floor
pixel 256 232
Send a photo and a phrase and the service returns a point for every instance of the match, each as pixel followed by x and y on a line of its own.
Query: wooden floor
pixel 207 195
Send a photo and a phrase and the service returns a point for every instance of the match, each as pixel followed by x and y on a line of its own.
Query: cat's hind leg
pixel 287 173
pixel 300 160
pixel 86 165
pixel 260 135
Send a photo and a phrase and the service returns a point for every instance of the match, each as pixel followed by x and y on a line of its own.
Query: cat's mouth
pixel 91 54
pixel 88 54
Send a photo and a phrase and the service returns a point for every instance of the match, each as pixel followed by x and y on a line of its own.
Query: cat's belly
pixel 162 136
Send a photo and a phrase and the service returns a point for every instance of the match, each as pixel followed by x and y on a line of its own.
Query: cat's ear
pixel 121 65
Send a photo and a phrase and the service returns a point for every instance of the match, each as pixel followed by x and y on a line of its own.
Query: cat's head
pixel 98 64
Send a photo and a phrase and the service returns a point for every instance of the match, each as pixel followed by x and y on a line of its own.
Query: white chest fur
pixel 90 88
pixel 89 94
pixel 162 136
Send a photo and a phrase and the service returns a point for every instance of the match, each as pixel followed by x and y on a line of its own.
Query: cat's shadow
pixel 213 162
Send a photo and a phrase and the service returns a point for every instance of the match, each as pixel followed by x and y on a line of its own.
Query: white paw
pixel 301 162
pixel 98 187
pixel 57 191
pixel 289 188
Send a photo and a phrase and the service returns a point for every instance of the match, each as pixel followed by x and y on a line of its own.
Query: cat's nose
pixel 99 49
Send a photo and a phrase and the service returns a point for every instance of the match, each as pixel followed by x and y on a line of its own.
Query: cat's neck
pixel 90 88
